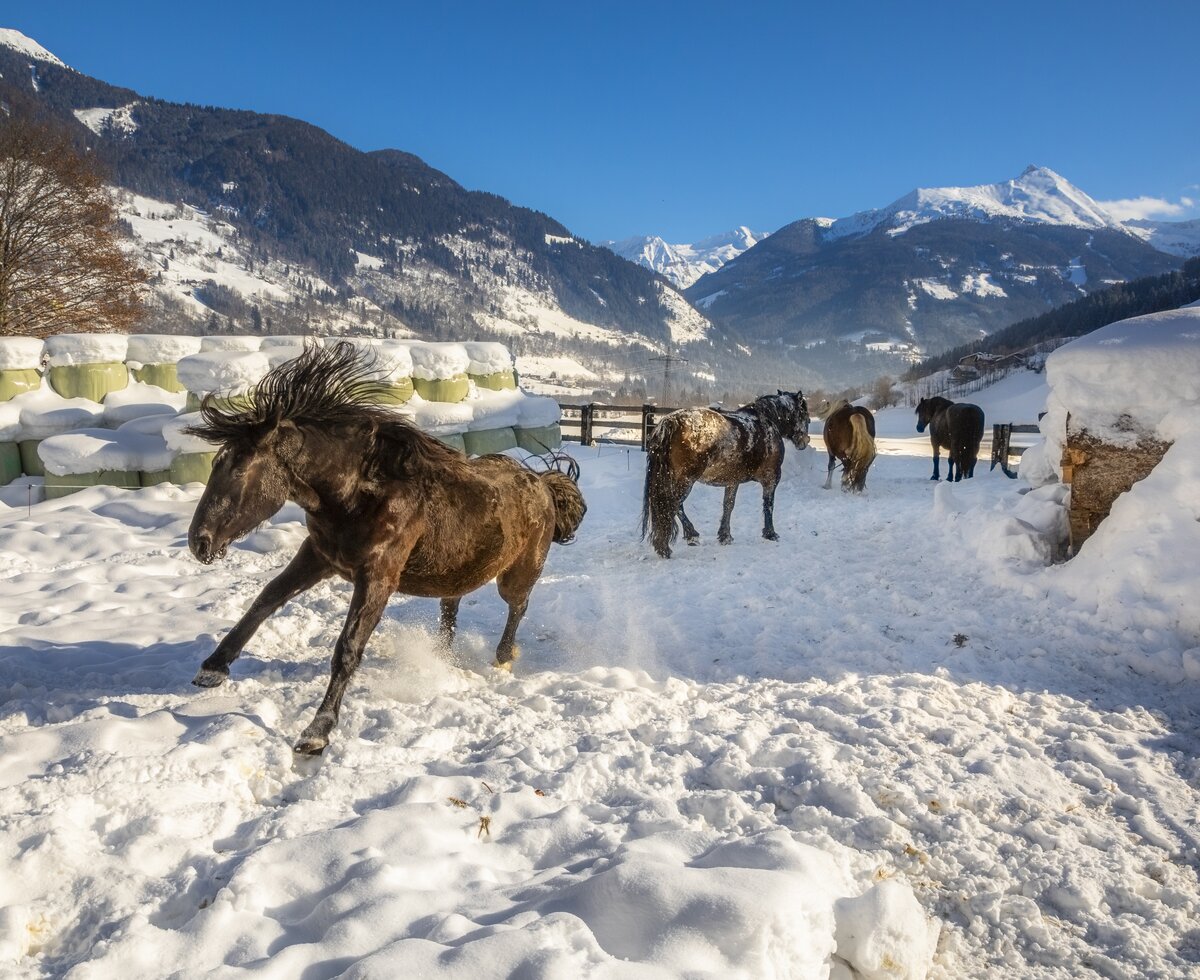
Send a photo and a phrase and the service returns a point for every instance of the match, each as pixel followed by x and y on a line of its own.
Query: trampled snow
pixel 894 743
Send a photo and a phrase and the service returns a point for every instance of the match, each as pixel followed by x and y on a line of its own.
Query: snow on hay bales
pixel 440 371
pixel 138 400
pixel 87 365
pixel 222 372
pixel 1110 392
pixel 490 365
pixel 135 455
pixel 213 343
pixel 152 358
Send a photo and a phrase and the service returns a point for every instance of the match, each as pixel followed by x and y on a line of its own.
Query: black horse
pixel 722 449
pixel 955 427
pixel 849 435
pixel 389 509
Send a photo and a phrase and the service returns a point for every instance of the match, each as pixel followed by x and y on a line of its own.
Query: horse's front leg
pixel 937 455
pixel 305 570
pixel 769 511
pixel 724 534
pixel 371 593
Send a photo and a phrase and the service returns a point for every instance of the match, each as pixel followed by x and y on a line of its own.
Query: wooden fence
pixel 619 425
pixel 1003 447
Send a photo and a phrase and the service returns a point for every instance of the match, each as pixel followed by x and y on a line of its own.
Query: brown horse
pixel 956 427
pixel 722 449
pixel 850 438
pixel 389 509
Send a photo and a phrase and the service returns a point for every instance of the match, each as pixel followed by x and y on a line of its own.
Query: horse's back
pixel 966 421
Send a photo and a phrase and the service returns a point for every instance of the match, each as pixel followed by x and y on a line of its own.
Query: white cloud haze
pixel 1131 208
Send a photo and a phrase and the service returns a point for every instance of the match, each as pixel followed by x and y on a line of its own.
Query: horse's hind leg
pixel 690 534
pixel 829 472
pixel 724 534
pixel 769 511
pixel 305 570
pixel 449 620
pixel 366 608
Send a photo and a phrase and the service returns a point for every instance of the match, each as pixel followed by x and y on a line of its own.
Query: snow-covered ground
pixel 894 742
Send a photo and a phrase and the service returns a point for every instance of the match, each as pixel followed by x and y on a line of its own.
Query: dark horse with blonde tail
pixel 389 508
pixel 956 427
pixel 850 439
pixel 722 449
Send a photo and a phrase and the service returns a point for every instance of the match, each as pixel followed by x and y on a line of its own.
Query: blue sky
pixel 687 119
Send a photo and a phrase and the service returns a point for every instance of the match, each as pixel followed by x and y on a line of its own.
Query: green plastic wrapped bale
pixel 91 381
pixel 17 381
pixel 192 467
pixel 60 486
pixel 486 441
pixel 164 376
pixel 236 402
pixel 539 440
pixel 449 390
pixel 397 392
pixel 31 462
pixel 10 462
pixel 498 381
pixel 455 440
pixel 152 478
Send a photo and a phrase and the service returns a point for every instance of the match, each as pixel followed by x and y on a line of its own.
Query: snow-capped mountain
pixel 27 46
pixel 683 264
pixel 1037 196
pixel 936 268
pixel 1175 237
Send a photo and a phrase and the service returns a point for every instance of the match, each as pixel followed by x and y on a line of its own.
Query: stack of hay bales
pixel 134 455
pixel 231 342
pixel 20 361
pixel 191 456
pixel 152 358
pixel 494 417
pixel 490 365
pixel 45 413
pixel 394 364
pixel 87 365
pixel 538 428
pixel 446 421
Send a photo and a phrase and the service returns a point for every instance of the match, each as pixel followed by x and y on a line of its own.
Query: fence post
pixel 648 423
pixel 585 423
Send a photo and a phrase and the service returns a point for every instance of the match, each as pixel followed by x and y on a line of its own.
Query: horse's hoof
pixel 771 537
pixel 693 542
pixel 728 539
pixel 310 745
pixel 208 677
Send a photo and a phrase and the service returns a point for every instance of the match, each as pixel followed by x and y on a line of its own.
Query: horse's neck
pixel 326 474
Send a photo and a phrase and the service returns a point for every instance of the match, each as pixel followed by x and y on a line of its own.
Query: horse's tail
pixel 569 506
pixel 862 448
pixel 659 502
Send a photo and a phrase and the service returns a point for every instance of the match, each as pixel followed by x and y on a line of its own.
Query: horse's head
pixel 249 483
pixel 927 408
pixel 796 418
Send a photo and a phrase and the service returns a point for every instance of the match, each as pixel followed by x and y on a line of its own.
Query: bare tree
pixel 61 265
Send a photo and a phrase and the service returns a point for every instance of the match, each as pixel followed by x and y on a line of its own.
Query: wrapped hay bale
pixel 395 364
pixel 490 365
pixel 152 358
pixel 139 400
pixel 225 374
pixel 193 457
pixel 439 371
pixel 538 430
pixel 230 342
pixel 87 365
pixel 45 413
pixel 126 457
pixel 494 415
pixel 20 363
pixel 443 420
pixel 10 462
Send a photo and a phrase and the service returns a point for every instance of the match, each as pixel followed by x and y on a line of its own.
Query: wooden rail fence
pixel 620 425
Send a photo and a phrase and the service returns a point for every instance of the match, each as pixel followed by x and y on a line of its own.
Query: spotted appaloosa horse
pixel 722 449
pixel 850 439
pixel 388 508
pixel 956 427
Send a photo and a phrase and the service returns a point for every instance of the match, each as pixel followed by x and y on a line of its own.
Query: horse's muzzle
pixel 201 545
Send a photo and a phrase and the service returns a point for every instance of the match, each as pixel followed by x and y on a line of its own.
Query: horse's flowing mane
pixel 836 407
pixel 324 385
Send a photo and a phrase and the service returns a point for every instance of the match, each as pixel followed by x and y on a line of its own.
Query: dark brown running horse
pixel 956 427
pixel 850 439
pixel 722 449
pixel 389 509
